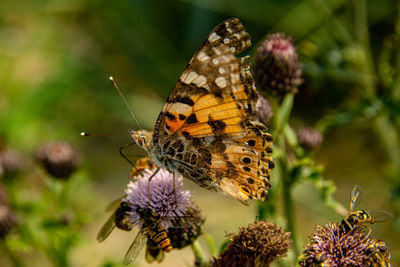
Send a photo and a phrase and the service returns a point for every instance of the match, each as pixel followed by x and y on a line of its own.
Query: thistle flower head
pixel 335 246
pixel 264 110
pixel 276 68
pixel 60 159
pixel 309 138
pixel 258 244
pixel 167 199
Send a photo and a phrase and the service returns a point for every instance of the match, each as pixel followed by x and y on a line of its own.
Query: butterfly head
pixel 142 138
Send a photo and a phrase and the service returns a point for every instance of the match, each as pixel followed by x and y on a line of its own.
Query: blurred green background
pixel 56 57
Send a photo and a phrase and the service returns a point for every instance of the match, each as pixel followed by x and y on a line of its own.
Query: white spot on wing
pixel 190 77
pixel 235 78
pixel 215 61
pixel 180 108
pixel 213 37
pixel 221 82
pixel 226 41
pixel 200 81
pixel 221 70
pixel 202 56
pixel 233 49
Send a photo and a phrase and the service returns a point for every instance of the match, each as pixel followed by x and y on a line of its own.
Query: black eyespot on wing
pixel 250 180
pixel 182 117
pixel 251 142
pixel 247 169
pixel 246 160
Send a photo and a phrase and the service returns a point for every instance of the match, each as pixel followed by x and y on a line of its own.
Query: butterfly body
pixel 207 129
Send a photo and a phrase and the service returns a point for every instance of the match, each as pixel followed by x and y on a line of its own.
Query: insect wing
pixel 106 229
pixel 381 215
pixel 135 247
pixel 115 203
pixel 355 197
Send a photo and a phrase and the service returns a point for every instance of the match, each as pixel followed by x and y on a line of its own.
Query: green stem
pixel 288 203
pixel 198 252
pixel 211 244
pixel 15 261
pixel 363 40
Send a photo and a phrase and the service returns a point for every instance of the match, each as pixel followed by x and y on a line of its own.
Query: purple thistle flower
pixel 335 246
pixel 165 201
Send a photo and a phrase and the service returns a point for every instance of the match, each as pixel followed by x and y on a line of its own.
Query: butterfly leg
pixel 148 184
pixel 121 149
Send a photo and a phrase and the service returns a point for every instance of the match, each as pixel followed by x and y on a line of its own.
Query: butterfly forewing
pixel 207 130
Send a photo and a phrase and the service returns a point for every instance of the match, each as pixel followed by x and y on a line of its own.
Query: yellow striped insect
pixel 361 217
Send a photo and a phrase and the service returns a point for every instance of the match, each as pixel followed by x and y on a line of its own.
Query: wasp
pixel 379 253
pixel 361 217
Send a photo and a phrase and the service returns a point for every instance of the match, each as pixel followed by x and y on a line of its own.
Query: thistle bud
pixel 7 221
pixel 11 162
pixel 257 245
pixel 309 138
pixel 264 110
pixel 60 159
pixel 277 68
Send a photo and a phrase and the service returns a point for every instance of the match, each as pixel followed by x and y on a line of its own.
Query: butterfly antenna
pixel 124 99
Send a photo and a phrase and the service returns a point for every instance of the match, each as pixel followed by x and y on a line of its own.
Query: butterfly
pixel 207 130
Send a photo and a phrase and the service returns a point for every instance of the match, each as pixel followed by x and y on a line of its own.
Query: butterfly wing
pixel 207 129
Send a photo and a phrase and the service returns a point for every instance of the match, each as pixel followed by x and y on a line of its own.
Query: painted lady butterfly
pixel 207 129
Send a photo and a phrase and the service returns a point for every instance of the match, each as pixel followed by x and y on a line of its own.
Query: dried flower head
pixel 60 159
pixel 11 162
pixel 309 138
pixel 167 199
pixel 276 66
pixel 264 110
pixel 7 221
pixel 335 246
pixel 186 229
pixel 257 245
